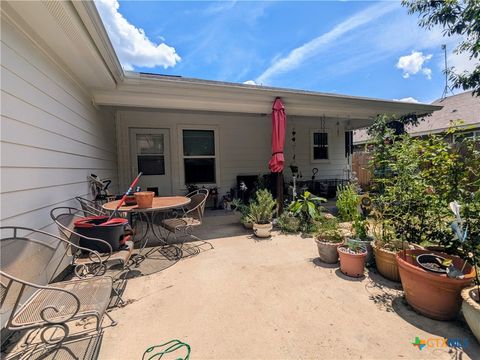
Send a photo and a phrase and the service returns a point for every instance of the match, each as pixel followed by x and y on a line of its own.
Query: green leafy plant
pixel 261 210
pixel 307 205
pixel 355 247
pixel 360 229
pixel 328 231
pixel 347 202
pixel 288 222
pixel 416 178
pixel 307 208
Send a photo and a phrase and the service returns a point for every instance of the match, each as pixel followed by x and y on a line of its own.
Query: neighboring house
pixel 68 110
pixel 461 107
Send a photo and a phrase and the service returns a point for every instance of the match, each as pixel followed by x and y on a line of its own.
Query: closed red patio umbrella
pixel 276 164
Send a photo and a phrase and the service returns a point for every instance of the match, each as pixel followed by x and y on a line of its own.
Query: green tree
pixel 457 17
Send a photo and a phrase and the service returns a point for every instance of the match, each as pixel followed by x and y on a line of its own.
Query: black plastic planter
pixel 98 227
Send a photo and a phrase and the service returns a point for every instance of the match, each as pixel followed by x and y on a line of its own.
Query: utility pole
pixel 447 89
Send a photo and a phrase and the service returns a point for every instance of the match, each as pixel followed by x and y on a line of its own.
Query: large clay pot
pixel 434 295
pixel 351 264
pixel 366 245
pixel 262 230
pixel 471 310
pixel 386 263
pixel 144 199
pixel 327 251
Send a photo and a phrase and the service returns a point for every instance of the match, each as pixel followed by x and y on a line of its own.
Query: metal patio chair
pixel 192 216
pixel 29 261
pixel 84 263
pixel 92 207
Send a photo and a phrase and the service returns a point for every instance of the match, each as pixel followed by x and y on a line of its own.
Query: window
pixel 470 134
pixel 199 161
pixel 150 154
pixel 320 145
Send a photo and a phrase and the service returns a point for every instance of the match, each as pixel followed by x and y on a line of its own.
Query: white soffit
pixel 164 92
pixel 57 28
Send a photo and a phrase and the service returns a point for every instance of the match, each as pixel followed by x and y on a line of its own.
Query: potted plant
pixel 347 204
pixel 385 247
pixel 360 237
pixel 261 213
pixel 307 209
pixel 433 287
pixel 288 222
pixel 329 238
pixel 352 259
pixel 244 210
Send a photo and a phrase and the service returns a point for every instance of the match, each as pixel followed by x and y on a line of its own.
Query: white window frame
pixel 216 156
pixel 476 134
pixel 329 138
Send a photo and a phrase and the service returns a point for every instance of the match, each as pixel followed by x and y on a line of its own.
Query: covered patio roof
pixel 160 91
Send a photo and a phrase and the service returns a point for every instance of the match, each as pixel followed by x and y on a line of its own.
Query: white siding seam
pixel 43 207
pixel 57 151
pixel 31 36
pixel 44 187
pixel 51 97
pixel 55 116
pixel 80 102
pixel 60 134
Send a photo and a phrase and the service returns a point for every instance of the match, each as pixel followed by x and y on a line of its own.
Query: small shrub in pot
pixel 328 239
pixel 261 213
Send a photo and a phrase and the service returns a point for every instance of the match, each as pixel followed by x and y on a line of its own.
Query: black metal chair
pixel 90 206
pixel 192 216
pixel 84 263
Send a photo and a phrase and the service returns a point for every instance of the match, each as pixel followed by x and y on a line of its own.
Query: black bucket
pixel 98 227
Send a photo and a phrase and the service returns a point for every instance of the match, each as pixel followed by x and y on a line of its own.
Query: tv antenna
pixel 447 89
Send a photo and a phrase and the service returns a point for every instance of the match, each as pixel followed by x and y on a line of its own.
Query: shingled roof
pixel 462 106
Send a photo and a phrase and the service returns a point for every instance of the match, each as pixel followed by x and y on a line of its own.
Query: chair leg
pixel 113 322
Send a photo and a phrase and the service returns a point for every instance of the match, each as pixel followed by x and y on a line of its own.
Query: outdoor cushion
pixel 175 224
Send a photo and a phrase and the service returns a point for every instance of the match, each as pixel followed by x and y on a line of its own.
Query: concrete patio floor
pixel 271 299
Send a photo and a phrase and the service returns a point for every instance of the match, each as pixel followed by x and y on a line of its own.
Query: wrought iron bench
pixel 29 261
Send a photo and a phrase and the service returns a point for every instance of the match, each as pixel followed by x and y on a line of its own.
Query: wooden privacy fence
pixel 360 165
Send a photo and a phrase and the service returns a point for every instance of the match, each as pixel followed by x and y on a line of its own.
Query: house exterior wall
pixel 244 143
pixel 52 137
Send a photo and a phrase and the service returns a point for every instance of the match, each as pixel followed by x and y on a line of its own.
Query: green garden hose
pixel 171 346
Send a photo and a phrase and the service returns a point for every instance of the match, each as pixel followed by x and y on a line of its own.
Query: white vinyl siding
pixel 52 136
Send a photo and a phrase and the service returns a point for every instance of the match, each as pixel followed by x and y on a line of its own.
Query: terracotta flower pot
pixel 434 295
pixel 471 310
pixel 368 246
pixel 262 230
pixel 327 251
pixel 144 199
pixel 351 264
pixel 386 263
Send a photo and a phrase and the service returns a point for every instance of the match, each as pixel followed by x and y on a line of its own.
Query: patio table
pixel 160 205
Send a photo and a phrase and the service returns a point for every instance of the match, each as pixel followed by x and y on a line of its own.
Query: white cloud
pixel 413 64
pixel 131 44
pixel 408 99
pixel 461 62
pixel 309 49
pixel 250 82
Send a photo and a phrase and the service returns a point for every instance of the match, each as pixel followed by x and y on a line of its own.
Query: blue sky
pixel 372 49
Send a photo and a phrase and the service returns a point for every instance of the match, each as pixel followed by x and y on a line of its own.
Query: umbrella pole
pixel 280 193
